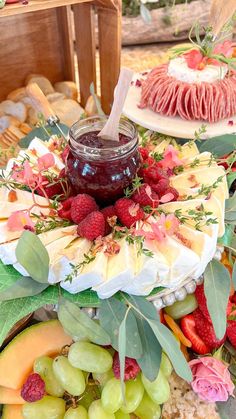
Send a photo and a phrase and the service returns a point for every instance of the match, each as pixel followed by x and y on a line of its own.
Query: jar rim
pixel 124 125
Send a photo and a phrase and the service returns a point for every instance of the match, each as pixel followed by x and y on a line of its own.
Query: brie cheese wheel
pixel 120 271
pixel 179 69
pixel 40 147
pixel 24 201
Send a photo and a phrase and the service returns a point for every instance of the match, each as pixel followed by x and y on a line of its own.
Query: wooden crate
pixel 36 38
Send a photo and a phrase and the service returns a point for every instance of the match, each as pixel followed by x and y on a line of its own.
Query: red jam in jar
pixel 98 167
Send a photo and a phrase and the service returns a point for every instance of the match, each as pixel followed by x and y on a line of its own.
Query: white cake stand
pixel 173 126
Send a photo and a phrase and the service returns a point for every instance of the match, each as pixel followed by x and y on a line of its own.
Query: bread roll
pixel 18 110
pixel 68 111
pixel 54 97
pixel 68 88
pixel 44 84
pixel 17 95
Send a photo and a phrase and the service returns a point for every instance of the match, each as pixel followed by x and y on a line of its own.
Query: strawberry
pixel 81 206
pixel 145 196
pixel 187 324
pixel 108 212
pixel 202 304
pixel 128 211
pixel 231 332
pixel 131 367
pixel 206 331
pixel 92 226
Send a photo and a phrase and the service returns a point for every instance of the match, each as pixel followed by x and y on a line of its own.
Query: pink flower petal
pixel 46 161
pixel 167 198
pixel 18 220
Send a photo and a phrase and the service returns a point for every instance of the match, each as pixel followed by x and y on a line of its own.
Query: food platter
pixel 173 126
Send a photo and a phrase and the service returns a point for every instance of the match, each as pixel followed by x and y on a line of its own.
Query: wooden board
pixel 35 5
pixel 31 43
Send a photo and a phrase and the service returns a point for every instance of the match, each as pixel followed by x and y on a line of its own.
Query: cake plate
pixel 173 126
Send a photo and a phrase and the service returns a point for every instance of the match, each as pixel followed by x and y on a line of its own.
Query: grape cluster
pixel 82 385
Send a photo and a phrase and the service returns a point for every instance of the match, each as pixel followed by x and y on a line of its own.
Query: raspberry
pixel 131 367
pixel 153 174
pixel 81 206
pixel 92 226
pixel 206 331
pixel 161 187
pixel 33 389
pixel 128 211
pixel 174 192
pixel 144 153
pixel 64 212
pixel 108 212
pixel 231 332
pixel 56 188
pixel 145 196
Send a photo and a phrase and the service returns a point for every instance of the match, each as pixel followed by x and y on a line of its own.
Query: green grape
pixel 148 409
pixel 158 390
pixel 91 393
pixel 122 415
pixel 78 413
pixel 96 411
pixel 133 395
pixel 182 308
pixel 166 365
pixel 43 366
pixel 112 395
pixel 103 378
pixel 90 357
pixel 47 407
pixel 70 378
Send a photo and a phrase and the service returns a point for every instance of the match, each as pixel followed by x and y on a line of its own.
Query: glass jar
pixel 98 167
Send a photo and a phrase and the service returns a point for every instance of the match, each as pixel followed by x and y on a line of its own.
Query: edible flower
pixel 197 60
pixel 211 379
pixel 171 158
pixel 166 225
pixel 20 220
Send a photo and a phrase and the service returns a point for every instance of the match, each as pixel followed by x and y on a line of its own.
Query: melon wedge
pixel 17 359
pixel 10 396
pixel 12 411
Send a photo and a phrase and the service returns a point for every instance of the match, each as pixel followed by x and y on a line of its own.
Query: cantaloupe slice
pixel 17 359
pixel 10 396
pixel 12 411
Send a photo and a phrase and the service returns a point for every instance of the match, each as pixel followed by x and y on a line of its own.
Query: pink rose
pixel 211 379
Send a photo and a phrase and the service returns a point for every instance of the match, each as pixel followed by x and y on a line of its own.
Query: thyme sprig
pixel 76 269
pixel 136 183
pixel 206 190
pixel 43 225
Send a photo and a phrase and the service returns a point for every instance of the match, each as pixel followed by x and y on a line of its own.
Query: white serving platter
pixel 173 126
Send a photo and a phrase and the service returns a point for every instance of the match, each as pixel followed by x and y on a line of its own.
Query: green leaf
pixel 77 323
pixel 230 209
pixel 219 146
pixel 8 276
pixel 122 352
pixel 111 314
pixel 217 290
pixel 33 256
pixel 226 239
pixel 87 298
pixel 142 305
pixel 25 287
pixel 171 348
pixel 234 275
pixel 14 310
pixel 151 357
pixel 231 178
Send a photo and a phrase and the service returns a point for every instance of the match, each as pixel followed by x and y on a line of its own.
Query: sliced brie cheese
pixel 24 201
pixel 41 148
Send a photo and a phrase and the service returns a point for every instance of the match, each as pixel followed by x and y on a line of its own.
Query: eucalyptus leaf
pixel 86 298
pixel 231 178
pixel 219 146
pixel 8 276
pixel 145 14
pixel 78 324
pixel 14 310
pixel 151 357
pixel 217 291
pixel 122 352
pixel 33 256
pixel 143 306
pixel 171 348
pixel 226 239
pixel 111 314
pixel 25 287
pixel 234 275
pixel 230 209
